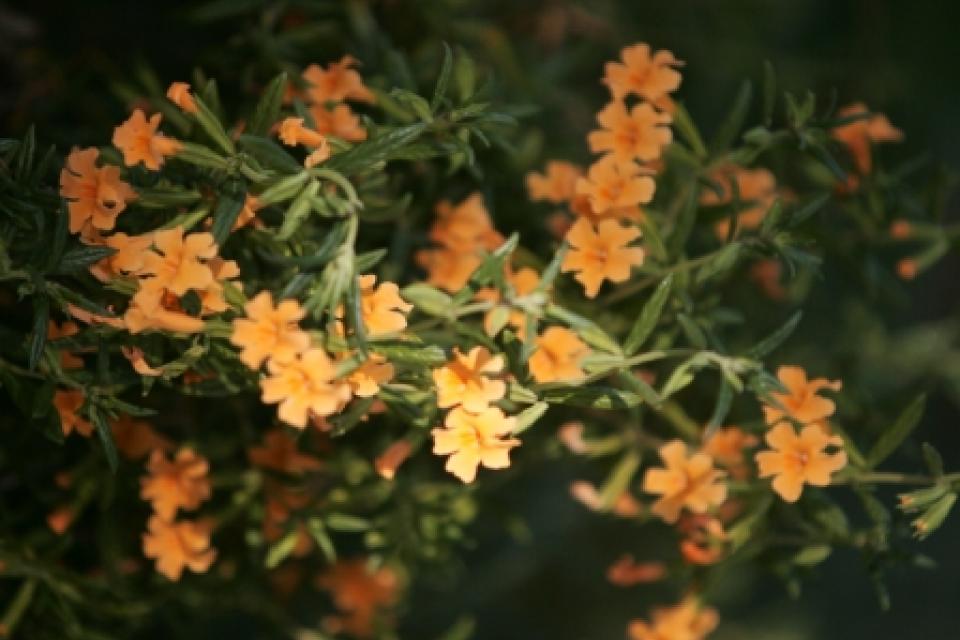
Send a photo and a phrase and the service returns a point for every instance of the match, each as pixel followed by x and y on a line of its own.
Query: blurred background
pixel 70 68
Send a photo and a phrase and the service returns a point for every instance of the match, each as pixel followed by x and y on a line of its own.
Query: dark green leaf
pixel 443 80
pixel 776 338
pixel 79 258
pixel 894 436
pixel 593 397
pixel 649 317
pixel 733 124
pixel 106 436
pixel 229 205
pixel 268 108
pixel 38 337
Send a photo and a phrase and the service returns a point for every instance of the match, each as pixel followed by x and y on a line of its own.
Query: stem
pixel 18 607
pixel 883 477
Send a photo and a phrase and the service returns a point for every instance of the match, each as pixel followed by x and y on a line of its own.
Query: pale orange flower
pixel 382 308
pixel 139 141
pixel 687 620
pixel 69 328
pixel 175 484
pixel 601 253
pixel 727 447
pixel 303 386
pixel 557 184
pixel 640 133
pixel 93 318
pixel 361 593
pixel 571 435
pixel 179 94
pixel 337 83
pixel 177 546
pixel 153 308
pixel 650 77
pixel 687 481
pixel 293 132
pixel 177 262
pixel 558 356
pixel 366 379
pixel 448 269
pixel 859 135
pixel 248 214
pixel 68 403
pixel 801 459
pixel 212 298
pixel 801 402
pixel 627 572
pixel 136 438
pixel 464 380
pixel 465 226
pixel 704 541
pixel 611 184
pixel 338 121
pixel 279 452
pixel 127 260
pixel 392 457
pixel 269 331
pixel 625 505
pixel 95 195
pixel 756 189
pixel 474 439
pixel 281 503
pixel 139 362
pixel 580 206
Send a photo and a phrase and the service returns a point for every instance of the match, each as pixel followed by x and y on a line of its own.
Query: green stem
pixel 18 607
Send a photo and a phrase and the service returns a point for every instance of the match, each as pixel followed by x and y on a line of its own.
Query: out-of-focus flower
pixel 362 594
pixel 685 482
pixel 338 121
pixel 651 77
pixel 638 134
pixel 177 546
pixel 558 355
pixel 279 452
pixel 68 402
pixel 556 185
pixel 859 135
pixel 69 328
pixel 392 457
pixel 180 483
pixel 366 379
pixel 337 83
pixel 136 438
pixel 756 191
pixel 627 572
pixel 687 620
pixel 728 447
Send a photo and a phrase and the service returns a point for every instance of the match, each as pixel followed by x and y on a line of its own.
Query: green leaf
pixel 932 459
pixel 649 317
pixel 322 538
pixel 268 108
pixel 812 555
pixel 733 124
pixel 282 548
pixel 381 148
pixel 210 123
pixel 428 299
pixel 368 260
pixel 465 75
pixel 776 338
pixel 269 153
pixel 418 356
pixel 443 80
pixel 809 208
pixel 527 417
pixel 347 523
pixel 619 479
pixel 229 205
pixel 298 211
pixel 492 267
pixel 893 437
pixel 688 131
pixel 106 436
pixel 79 258
pixel 38 337
pixel 594 397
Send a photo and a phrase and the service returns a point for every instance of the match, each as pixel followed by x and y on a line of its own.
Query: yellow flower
pixel 472 439
pixel 304 386
pixel 601 253
pixel 801 459
pixel 801 402
pixel 687 481
pixel 269 332
pixel 558 355
pixel 463 380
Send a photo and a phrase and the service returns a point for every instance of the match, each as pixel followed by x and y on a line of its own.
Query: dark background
pixel 58 64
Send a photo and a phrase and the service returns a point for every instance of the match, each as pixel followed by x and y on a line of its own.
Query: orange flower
pixel 640 133
pixel 908 268
pixel 687 481
pixel 472 439
pixel 626 572
pixel 392 457
pixel 139 361
pixel 60 519
pixel 651 77
pixel 558 356
pixel 901 229
pixel 338 121
pixel 524 281
pixel 139 141
pixel 705 540
pixel 601 253
pixel 766 275
pixel 269 331
pixel 127 260
pixel 179 94
pixel 67 403
pixel 859 135
pixel 360 593
pixel 136 438
pixel 279 452
pixel 465 226
pixel 211 298
pixel 580 206
pixel 727 447
pixel 180 483
pixel 448 269
pixel 69 328
pixel 96 195
pixel 337 83
pixel 611 184
pixel 292 132
pixel 798 459
pixel 248 213
pixel 687 620
pixel 366 379
pixel 801 402
pixel 382 308
pixel 153 308
pixel 558 183
pixel 463 380
pixel 177 261
pixel 94 318
pixel 178 545
pixel 756 190
pixel 303 386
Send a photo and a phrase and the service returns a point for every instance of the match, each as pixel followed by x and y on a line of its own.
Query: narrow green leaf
pixel 594 397
pixel 229 205
pixel 38 338
pixel 347 523
pixel 268 108
pixel 527 417
pixel 688 131
pixel 106 436
pixel 381 148
pixel 79 258
pixel 894 436
pixel 428 299
pixel 212 125
pixel 443 79
pixel 775 339
pixel 733 124
pixel 282 548
pixel 649 317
